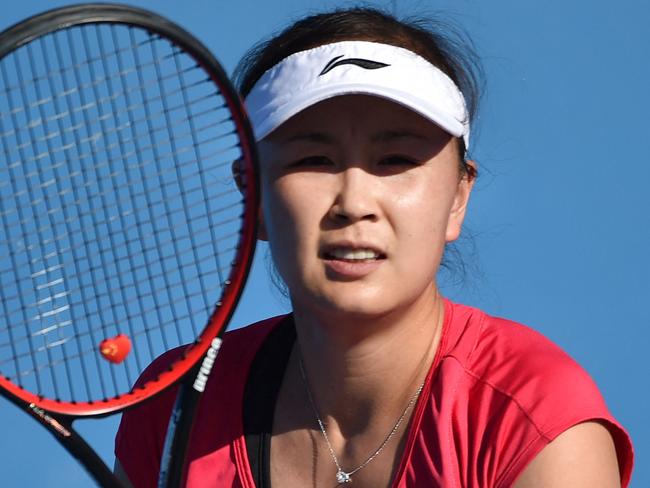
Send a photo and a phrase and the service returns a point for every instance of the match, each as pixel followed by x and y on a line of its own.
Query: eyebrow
pixel 319 137
pixel 383 136
pixel 391 135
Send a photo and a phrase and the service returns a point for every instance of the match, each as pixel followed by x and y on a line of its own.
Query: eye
pixel 398 160
pixel 311 162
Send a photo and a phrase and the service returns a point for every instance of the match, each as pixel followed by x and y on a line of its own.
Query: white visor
pixel 356 67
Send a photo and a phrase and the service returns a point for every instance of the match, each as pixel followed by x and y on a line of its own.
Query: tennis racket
pixel 123 232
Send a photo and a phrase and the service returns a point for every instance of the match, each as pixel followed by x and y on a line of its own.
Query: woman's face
pixel 359 197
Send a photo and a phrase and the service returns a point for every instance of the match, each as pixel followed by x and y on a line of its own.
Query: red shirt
pixel 496 394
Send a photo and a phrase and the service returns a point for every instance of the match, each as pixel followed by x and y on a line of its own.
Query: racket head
pixel 117 127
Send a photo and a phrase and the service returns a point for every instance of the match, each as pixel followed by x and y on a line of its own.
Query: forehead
pixel 361 114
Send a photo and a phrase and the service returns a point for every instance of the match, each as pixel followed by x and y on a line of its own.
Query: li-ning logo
pixel 206 365
pixel 361 63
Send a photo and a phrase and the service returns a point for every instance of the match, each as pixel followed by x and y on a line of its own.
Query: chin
pixel 359 300
pixel 363 305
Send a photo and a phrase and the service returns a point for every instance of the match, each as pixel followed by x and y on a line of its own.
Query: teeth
pixel 354 254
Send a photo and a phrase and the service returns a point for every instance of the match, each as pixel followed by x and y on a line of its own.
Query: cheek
pixel 420 221
pixel 285 206
pixel 277 215
pixel 424 207
pixel 278 230
pixel 291 217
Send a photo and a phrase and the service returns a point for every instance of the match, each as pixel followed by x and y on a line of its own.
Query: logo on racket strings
pixel 206 365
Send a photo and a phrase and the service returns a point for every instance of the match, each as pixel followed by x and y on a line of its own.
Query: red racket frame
pixel 58 415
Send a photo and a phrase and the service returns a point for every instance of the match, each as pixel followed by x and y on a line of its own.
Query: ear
pixel 236 170
pixel 459 205
pixel 261 226
pixel 239 181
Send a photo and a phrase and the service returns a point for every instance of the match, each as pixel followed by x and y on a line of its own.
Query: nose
pixel 355 199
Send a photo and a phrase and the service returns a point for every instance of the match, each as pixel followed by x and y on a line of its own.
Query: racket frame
pixel 58 416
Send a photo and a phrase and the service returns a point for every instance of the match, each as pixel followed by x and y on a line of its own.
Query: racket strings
pixel 50 73
pixel 131 124
pixel 194 133
pixel 127 183
pixel 60 340
pixel 125 245
pixel 102 184
pixel 94 138
pixel 109 277
pixel 181 181
pixel 30 124
pixel 144 331
pixel 42 121
pixel 92 269
pixel 107 295
pixel 73 291
pixel 21 213
pixel 140 332
pixel 118 209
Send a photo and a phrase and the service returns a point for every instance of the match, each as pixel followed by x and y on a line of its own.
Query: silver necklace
pixel 343 476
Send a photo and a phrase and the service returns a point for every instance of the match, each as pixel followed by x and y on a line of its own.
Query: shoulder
pixel 532 389
pixel 141 433
pixel 583 455
pixel 525 366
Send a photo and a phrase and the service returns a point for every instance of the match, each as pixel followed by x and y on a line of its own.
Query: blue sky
pixel 558 228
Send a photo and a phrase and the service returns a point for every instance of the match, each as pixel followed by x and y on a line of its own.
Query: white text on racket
pixel 206 365
pixel 40 413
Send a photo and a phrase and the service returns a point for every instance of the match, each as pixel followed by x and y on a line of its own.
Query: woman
pixel 375 379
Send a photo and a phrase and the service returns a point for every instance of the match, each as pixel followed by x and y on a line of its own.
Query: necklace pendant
pixel 343 477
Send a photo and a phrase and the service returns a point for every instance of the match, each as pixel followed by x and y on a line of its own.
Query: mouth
pixel 352 255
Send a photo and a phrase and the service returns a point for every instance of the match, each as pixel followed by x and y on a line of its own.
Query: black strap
pixel 260 396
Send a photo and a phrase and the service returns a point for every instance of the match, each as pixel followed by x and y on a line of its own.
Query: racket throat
pixel 54 425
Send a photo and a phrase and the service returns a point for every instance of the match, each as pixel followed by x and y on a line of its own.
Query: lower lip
pixel 350 270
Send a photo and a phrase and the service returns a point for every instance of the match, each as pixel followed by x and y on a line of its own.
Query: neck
pixel 367 368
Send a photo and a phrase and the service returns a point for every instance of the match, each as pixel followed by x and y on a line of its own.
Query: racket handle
pixel 173 459
pixel 102 474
